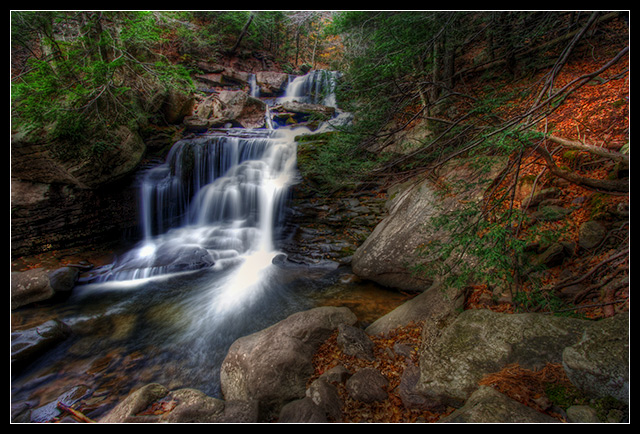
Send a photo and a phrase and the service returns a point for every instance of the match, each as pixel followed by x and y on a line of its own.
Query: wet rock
pixel 36 285
pixel 63 280
pixel 50 411
pixel 28 345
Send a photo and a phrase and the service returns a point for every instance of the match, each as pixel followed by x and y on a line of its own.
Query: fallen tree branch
pixel 593 270
pixel 74 413
pixel 610 186
pixel 597 150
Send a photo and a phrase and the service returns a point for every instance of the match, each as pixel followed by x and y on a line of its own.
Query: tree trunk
pixel 243 33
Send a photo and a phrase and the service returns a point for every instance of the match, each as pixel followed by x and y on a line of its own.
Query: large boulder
pixel 435 308
pixel 487 405
pixel 390 255
pixel 234 107
pixel 238 107
pixel 599 363
pixel 271 83
pixel 39 284
pixel 480 342
pixel 155 403
pixel 272 366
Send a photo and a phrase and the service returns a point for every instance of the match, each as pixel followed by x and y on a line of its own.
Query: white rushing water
pixel 316 87
pixel 217 199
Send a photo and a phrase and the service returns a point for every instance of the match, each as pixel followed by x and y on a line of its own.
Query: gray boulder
pixel 367 385
pixel 302 411
pixel 487 405
pixel 272 366
pixel 390 254
pixel 480 342
pixel 599 363
pixel 179 406
pixel 239 107
pixel 39 284
pixel 271 83
pixel 436 307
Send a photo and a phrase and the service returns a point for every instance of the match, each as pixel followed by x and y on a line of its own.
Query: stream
pixel 207 271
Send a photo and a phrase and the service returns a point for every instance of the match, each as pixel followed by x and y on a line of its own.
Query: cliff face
pixel 67 199
pixel 55 216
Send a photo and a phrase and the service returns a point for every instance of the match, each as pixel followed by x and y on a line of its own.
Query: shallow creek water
pixel 164 331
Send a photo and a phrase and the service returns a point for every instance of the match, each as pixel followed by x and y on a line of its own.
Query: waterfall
pixel 316 87
pixel 254 90
pixel 219 197
pixel 216 199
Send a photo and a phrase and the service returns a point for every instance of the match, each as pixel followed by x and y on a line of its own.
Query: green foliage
pixel 139 28
pixel 93 83
pixel 332 162
pixel 476 250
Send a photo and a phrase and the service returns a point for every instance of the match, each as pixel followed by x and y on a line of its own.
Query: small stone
pixel 355 342
pixel 591 234
pixel 582 414
pixel 367 385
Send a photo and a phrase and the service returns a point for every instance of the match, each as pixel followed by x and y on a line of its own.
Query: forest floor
pixel 598 114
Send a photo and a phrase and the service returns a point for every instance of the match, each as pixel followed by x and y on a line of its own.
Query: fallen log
pixel 74 413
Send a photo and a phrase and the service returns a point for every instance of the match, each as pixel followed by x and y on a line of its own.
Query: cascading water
pixel 215 199
pixel 316 87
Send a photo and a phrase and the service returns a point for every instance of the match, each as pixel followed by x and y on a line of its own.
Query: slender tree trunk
pixel 243 33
